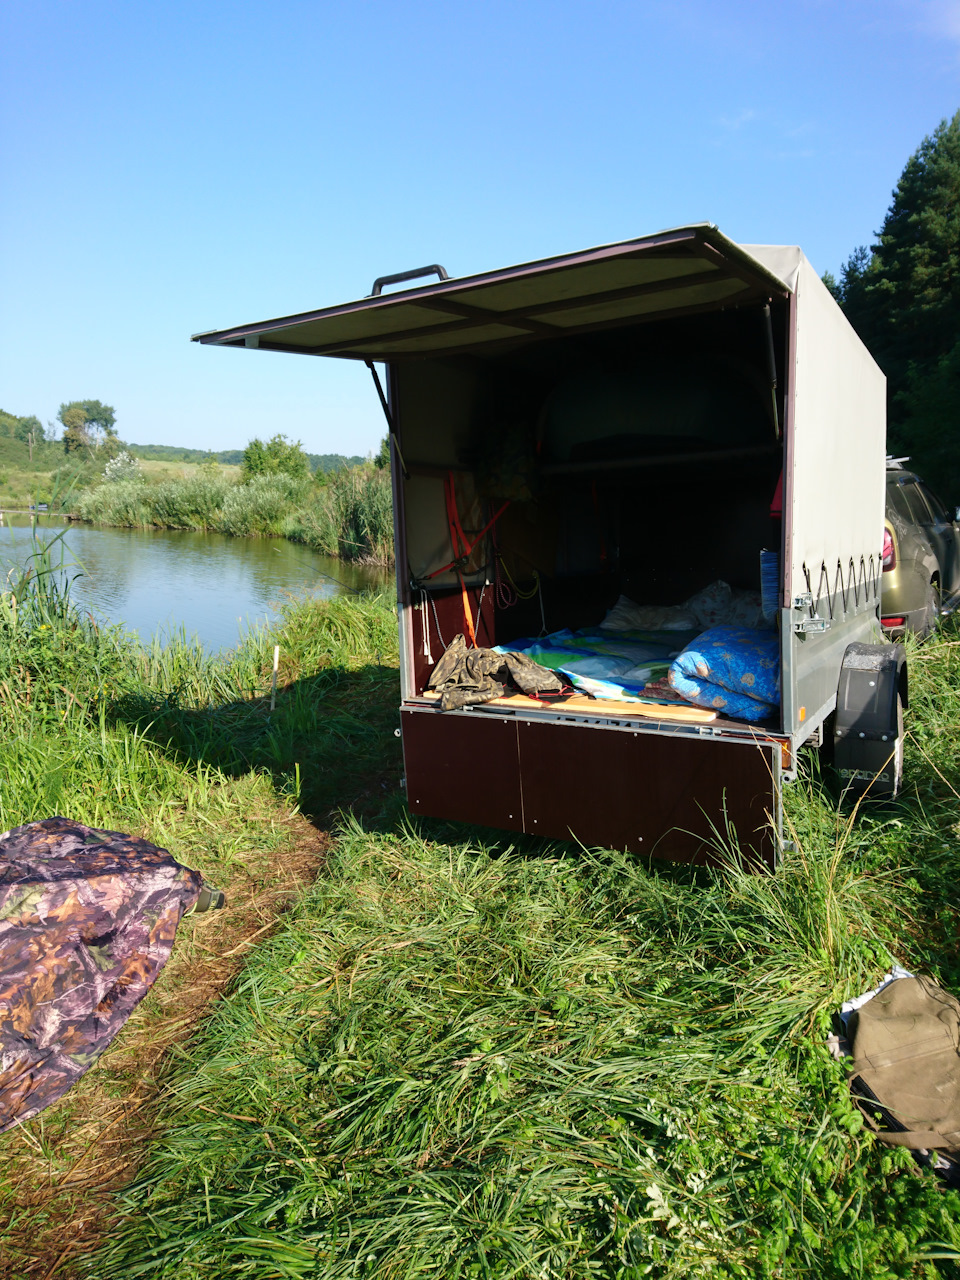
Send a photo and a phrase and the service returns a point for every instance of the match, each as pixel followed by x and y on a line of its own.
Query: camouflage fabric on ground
pixel 87 921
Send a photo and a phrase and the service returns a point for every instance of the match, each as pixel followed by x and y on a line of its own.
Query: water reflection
pixel 155 580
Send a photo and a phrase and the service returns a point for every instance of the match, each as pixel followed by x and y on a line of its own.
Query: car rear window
pixel 915 507
pixel 898 501
pixel 937 509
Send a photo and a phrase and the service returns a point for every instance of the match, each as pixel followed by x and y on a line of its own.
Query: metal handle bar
pixel 415 274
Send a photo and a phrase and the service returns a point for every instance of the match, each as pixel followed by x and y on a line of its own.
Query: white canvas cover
pixel 834 476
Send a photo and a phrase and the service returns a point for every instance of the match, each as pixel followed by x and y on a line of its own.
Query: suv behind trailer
pixel 641 419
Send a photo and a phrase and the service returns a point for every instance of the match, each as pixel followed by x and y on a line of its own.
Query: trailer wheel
pixel 868 726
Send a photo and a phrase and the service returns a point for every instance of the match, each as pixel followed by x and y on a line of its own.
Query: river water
pixel 156 581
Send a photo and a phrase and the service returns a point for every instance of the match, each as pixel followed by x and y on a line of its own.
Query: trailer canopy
pixel 670 273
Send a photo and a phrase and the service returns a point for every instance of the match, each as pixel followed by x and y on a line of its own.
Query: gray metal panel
pixel 833 494
pixel 839 442
pixel 812 664
pixel 666 273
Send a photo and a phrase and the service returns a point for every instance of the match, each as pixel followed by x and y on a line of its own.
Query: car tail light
pixel 889 551
pixel 892 622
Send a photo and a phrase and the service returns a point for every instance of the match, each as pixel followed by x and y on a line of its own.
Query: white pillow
pixel 720 606
pixel 627 615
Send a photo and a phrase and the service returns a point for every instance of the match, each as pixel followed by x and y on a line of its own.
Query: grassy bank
pixel 348 515
pixel 183 750
pixel 460 1055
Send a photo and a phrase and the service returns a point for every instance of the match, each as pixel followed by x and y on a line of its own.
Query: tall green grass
pixel 109 731
pixel 469 1058
pixel 459 1064
pixel 354 520
pixel 464 1058
pixel 349 516
pixel 195 754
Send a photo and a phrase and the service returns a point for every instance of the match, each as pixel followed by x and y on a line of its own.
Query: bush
pixel 261 505
pixel 279 456
pixel 124 467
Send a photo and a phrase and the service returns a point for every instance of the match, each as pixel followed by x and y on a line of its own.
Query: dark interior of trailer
pixel 638 461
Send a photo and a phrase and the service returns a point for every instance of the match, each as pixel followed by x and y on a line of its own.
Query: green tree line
pixel 87 429
pixel 234 457
pixel 902 295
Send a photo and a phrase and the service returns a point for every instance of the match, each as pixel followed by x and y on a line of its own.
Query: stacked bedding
pixel 606 664
pixel 733 668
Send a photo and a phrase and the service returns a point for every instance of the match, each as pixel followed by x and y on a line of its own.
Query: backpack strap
pixel 915 1139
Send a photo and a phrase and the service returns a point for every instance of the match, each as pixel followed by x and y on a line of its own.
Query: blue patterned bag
pixel 734 670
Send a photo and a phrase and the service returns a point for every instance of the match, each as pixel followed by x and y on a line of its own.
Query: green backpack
pixel 905 1043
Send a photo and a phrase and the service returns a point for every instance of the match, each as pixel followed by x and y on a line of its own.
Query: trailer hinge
pixel 811 623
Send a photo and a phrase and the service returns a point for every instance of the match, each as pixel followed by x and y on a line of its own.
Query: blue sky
pixel 171 167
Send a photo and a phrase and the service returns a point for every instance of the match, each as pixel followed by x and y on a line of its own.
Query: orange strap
pixel 467 613
pixel 462 550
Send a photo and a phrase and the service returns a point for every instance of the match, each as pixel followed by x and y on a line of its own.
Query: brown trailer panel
pixel 665 792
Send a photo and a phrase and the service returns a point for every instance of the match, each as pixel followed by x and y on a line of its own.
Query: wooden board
pixel 684 712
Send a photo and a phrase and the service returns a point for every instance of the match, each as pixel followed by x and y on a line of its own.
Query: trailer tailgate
pixel 659 791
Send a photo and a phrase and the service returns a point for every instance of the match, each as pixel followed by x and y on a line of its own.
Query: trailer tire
pixel 868 724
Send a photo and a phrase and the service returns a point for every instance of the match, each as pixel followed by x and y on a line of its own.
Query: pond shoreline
pixel 209 584
pixel 348 515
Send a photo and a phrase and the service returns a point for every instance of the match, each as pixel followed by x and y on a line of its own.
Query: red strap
pixel 456 530
pixel 462 550
pixel 458 541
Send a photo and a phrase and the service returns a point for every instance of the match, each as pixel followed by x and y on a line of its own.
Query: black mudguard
pixel 873 688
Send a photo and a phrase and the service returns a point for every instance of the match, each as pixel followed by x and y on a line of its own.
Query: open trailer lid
pixel 670 273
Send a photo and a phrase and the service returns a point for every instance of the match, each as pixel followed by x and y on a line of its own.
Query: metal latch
pixel 812 623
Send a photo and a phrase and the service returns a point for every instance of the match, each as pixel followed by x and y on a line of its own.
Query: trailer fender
pixel 868 727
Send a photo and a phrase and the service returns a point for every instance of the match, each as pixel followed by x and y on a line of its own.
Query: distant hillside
pixel 232 457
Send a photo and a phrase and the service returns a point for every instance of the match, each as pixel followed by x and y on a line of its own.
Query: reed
pixel 349 516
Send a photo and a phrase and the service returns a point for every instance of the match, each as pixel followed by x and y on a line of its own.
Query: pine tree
pixel 913 285
pixel 903 297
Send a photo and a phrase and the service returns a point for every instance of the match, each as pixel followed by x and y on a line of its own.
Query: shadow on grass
pixel 328 744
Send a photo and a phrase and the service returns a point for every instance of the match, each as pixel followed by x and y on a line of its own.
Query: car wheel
pixel 894 790
pixel 932 619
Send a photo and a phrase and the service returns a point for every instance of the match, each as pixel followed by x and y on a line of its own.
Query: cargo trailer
pixel 639 422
